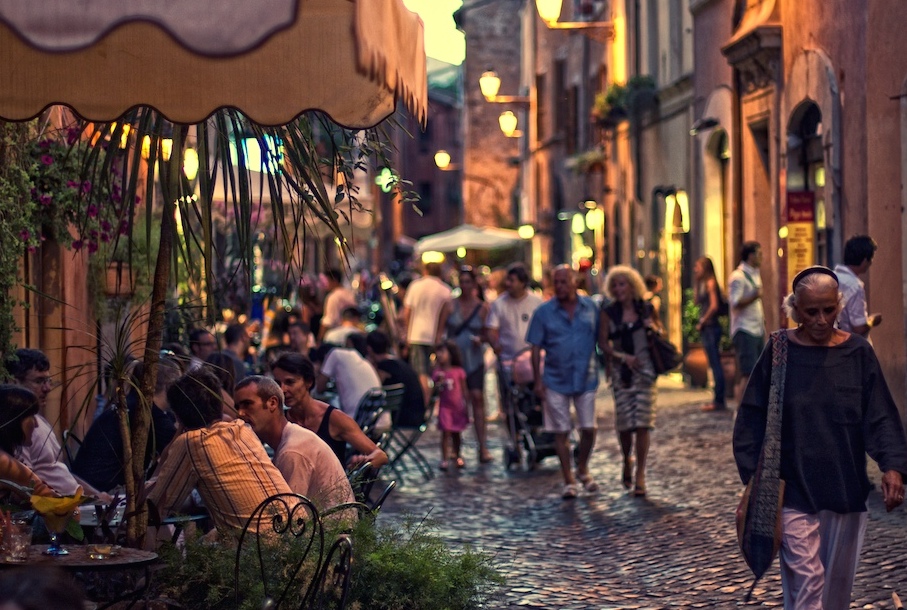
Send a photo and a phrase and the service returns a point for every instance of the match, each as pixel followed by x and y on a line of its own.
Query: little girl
pixel 453 416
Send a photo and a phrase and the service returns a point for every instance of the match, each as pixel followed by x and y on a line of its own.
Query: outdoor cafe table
pixel 79 561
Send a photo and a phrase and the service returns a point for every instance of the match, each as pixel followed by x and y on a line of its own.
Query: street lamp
pixel 550 12
pixel 490 84
pixel 508 122
pixel 442 159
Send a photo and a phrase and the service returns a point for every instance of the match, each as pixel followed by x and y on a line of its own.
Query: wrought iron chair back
pixel 393 398
pixel 372 414
pixel 285 522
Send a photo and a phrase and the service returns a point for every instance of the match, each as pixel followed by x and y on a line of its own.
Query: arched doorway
pixel 716 180
pixel 806 175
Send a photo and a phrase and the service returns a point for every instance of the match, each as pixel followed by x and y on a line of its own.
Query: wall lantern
pixel 490 84
pixel 508 122
pixel 677 212
pixel 550 12
pixel 442 159
pixel 526 231
pixel 578 224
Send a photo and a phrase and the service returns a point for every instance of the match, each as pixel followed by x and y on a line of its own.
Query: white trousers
pixel 819 556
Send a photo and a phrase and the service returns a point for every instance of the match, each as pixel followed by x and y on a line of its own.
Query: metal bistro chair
pixel 403 441
pixel 369 413
pixel 290 522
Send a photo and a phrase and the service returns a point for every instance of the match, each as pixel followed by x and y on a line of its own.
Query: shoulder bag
pixel 665 355
pixel 759 511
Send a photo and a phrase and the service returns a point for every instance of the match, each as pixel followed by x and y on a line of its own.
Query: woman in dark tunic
pixel 836 408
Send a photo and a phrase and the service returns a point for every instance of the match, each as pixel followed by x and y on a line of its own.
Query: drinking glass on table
pixel 16 540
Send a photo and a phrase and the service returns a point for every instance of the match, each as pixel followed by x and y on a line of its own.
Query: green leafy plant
pixel 690 315
pixel 395 567
pixel 690 318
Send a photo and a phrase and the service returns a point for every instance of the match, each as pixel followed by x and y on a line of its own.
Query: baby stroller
pixel 523 410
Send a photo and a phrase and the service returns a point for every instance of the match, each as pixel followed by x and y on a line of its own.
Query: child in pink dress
pixel 453 416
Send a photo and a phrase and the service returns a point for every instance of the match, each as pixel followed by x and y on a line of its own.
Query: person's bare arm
pixel 343 427
pixel 321 382
pixel 536 359
pixel 442 321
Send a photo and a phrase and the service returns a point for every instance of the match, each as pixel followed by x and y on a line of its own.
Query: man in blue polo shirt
pixel 566 328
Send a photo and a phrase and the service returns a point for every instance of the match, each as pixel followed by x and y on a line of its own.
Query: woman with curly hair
pixel 622 338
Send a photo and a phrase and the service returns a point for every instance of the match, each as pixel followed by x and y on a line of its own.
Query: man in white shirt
pixel 744 298
pixel 31 369
pixel 421 309
pixel 858 254
pixel 305 461
pixel 508 318
pixel 338 299
pixel 353 375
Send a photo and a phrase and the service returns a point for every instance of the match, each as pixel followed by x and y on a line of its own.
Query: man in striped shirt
pixel 225 461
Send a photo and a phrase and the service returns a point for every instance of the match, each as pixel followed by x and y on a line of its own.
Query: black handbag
pixel 665 355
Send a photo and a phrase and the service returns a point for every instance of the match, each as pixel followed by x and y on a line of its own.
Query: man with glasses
pixel 202 344
pixel 30 369
pixel 858 253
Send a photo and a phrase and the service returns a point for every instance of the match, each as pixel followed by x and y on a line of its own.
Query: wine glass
pixel 56 524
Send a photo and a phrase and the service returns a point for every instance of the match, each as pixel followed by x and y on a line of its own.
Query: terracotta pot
pixel 696 365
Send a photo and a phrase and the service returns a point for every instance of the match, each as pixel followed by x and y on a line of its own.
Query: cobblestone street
pixel 606 550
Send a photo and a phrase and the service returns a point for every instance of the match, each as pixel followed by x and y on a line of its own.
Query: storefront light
pixel 578 224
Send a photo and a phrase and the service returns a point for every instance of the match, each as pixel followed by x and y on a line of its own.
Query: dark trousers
pixel 711 336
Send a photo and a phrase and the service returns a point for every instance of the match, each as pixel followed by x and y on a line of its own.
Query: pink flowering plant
pixel 69 204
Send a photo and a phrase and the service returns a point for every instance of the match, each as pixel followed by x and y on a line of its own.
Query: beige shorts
pixel 557 411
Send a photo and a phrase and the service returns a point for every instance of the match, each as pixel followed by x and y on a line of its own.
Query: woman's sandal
pixel 460 463
pixel 444 465
pixel 485 458
pixel 639 490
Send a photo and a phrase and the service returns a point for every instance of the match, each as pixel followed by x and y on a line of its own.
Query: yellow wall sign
pixel 801 231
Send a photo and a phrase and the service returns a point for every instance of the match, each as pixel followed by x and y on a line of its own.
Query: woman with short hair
pixel 835 408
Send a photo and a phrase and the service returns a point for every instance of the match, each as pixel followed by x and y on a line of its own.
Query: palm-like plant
pixel 302 180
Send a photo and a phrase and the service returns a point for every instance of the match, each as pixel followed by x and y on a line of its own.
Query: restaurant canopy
pixel 469 237
pixel 271 59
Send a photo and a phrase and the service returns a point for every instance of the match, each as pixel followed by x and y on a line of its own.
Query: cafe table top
pixel 78 559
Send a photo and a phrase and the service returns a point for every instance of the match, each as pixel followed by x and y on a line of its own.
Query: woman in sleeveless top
pixel 295 374
pixel 622 338
pixel 462 320
pixel 708 297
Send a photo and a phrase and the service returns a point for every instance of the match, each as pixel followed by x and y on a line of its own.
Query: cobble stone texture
pixel 606 550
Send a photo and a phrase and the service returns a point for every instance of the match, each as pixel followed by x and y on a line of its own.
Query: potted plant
pixel 695 360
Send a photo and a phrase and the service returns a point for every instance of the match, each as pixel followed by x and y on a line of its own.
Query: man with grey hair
pixel 305 461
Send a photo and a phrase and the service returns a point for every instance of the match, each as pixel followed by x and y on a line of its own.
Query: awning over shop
pixel 374 48
pixel 469 237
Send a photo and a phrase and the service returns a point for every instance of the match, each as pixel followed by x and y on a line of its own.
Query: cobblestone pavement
pixel 606 550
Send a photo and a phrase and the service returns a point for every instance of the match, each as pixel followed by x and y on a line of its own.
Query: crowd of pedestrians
pixel 237 423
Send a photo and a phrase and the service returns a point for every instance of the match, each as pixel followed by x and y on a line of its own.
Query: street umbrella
pixel 469 237
pixel 270 60
pixel 352 59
